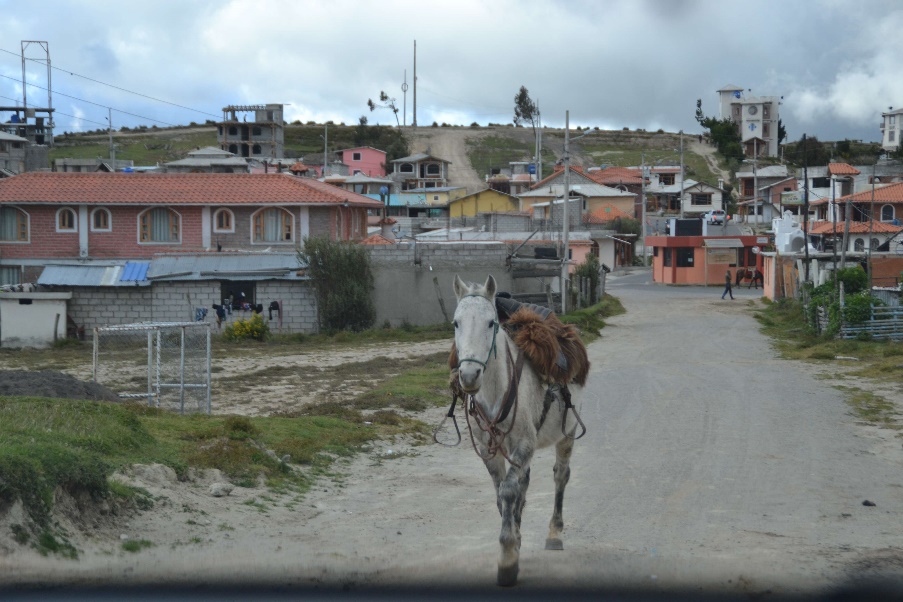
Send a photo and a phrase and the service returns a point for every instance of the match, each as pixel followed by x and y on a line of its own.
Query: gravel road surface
pixel 710 466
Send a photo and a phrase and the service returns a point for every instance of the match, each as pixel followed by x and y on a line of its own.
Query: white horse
pixel 511 412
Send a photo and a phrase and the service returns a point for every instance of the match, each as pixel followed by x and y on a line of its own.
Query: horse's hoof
pixel 507 575
pixel 554 544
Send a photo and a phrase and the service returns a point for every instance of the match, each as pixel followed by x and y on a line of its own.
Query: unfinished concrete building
pixel 261 138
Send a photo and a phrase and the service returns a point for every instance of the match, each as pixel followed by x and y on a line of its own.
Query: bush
pixel 474 125
pixel 435 125
pixel 254 327
pixel 343 279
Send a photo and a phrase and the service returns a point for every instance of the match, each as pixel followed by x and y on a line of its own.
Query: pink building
pixel 364 160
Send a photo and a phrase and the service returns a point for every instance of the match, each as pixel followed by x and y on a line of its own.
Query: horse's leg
pixel 512 495
pixel 496 468
pixel 562 472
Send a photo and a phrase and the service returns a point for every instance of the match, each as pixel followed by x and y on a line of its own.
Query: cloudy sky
pixel 612 64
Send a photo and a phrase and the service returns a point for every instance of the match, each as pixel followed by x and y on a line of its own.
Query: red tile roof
pixel 616 175
pixel 842 169
pixel 377 239
pixel 890 193
pixel 174 189
pixel 826 227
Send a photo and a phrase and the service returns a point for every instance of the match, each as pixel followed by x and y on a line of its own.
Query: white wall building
pixel 756 116
pixel 891 129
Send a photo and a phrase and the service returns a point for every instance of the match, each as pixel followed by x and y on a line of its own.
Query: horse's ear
pixel 460 287
pixel 491 287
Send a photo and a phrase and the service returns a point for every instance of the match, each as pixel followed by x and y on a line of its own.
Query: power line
pixel 63 114
pixel 96 104
pixel 72 73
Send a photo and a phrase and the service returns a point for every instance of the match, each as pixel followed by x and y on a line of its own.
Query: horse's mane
pixel 543 341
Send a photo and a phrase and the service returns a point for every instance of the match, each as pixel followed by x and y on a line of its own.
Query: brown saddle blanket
pixel 553 347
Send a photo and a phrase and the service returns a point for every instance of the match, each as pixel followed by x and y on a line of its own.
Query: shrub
pixel 435 125
pixel 254 327
pixel 343 279
pixel 474 125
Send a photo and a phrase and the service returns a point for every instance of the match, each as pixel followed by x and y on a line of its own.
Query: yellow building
pixel 485 201
pixel 432 196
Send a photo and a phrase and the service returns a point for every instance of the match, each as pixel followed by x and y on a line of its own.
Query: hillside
pixel 473 151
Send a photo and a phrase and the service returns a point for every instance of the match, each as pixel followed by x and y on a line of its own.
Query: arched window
pixel 13 225
pixel 223 221
pixel 432 169
pixel 406 168
pixel 859 244
pixel 66 220
pixel 873 244
pixel 272 225
pixel 101 220
pixel 159 225
pixel 887 213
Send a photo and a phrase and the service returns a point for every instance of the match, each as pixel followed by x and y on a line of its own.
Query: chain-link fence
pixel 167 364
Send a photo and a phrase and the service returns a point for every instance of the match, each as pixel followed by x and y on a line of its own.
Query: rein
pixel 490 426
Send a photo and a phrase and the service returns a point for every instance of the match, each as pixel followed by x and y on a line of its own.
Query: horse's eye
pixel 455 323
pixel 491 323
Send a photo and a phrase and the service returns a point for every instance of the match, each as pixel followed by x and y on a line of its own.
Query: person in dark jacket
pixel 728 290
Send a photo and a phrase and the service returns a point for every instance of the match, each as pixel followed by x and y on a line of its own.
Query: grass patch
pixel 136 545
pixel 591 320
pixel 871 408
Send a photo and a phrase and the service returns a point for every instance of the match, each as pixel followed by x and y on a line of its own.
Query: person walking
pixel 728 290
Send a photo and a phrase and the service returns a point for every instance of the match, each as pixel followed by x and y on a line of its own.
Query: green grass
pixel 591 320
pixel 136 545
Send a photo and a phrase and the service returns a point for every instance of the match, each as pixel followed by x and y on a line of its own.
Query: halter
pixel 495 331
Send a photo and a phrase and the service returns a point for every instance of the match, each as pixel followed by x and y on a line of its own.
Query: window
pixel 13 225
pixel 821 182
pixel 666 258
pixel 100 220
pixel 233 131
pixel 255 131
pixel 859 244
pixel 435 197
pixel 223 221
pixel 700 199
pixel 159 225
pixel 432 169
pixel 666 179
pixel 873 244
pixel 766 130
pixel 272 225
pixel 765 112
pixel 9 275
pixel 255 150
pixel 891 119
pixel 887 213
pixel 233 148
pixel 406 168
pixel 685 257
pixel 65 220
pixel 748 188
pixel 355 156
pixel 890 135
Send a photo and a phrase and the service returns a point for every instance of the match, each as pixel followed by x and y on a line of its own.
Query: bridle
pixel 492 347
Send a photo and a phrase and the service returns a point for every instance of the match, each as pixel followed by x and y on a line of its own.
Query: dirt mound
pixel 47 383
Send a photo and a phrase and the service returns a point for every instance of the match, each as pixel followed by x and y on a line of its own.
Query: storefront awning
pixel 724 243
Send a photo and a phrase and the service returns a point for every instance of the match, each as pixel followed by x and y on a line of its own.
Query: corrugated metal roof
pixel 225 266
pixel 135 271
pixel 87 275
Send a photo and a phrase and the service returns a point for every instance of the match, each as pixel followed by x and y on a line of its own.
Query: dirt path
pixel 710 466
pixel 451 144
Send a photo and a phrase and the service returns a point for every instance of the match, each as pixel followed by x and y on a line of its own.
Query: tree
pixel 343 280
pixel 525 110
pixel 387 103
pixel 782 132
pixel 723 133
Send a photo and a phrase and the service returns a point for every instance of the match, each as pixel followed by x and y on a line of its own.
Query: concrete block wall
pixel 299 305
pixel 422 293
pixel 176 301
pixel 91 306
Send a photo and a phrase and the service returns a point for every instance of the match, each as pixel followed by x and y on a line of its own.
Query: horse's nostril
pixel 479 371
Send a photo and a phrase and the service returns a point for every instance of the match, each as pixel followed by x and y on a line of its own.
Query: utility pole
pixel 112 148
pixel 404 89
pixel 805 210
pixel 565 263
pixel 643 200
pixel 871 221
pixel 325 147
pixel 755 180
pixel 538 162
pixel 847 208
pixel 414 122
pixel 680 200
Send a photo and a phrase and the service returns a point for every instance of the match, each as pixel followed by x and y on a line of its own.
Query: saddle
pixel 552 347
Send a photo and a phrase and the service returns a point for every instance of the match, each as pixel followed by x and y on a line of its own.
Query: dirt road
pixel 710 465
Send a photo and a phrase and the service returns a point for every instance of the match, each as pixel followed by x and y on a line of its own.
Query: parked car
pixel 715 216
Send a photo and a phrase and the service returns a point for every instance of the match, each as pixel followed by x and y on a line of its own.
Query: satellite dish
pixel 755 250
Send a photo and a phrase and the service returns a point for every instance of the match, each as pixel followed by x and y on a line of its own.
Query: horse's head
pixel 476 326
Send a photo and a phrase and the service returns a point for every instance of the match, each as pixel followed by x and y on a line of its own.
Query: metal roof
pixel 91 275
pixel 226 266
pixel 135 271
pixel 723 243
pixel 582 188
